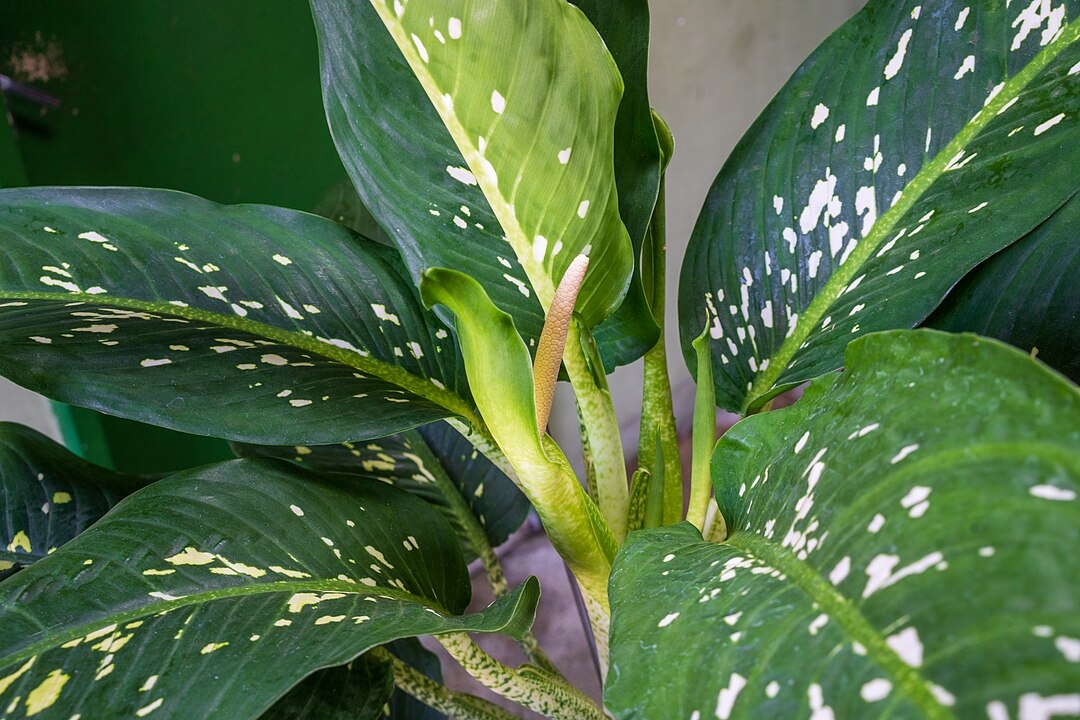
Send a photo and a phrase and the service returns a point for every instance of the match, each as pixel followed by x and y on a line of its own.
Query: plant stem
pixel 601 430
pixel 587 459
pixel 530 688
pixel 460 706
pixel 657 411
pixel 715 526
pixel 477 538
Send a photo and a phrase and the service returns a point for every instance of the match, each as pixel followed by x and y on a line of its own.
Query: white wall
pixel 22 406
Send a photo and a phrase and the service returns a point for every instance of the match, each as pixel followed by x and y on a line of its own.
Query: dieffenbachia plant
pixel 896 544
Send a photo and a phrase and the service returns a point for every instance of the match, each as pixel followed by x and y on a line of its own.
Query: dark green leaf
pixel 166 308
pixel 49 495
pixel 624 25
pixel 358 690
pixel 212 592
pixel 403 460
pixel 902 545
pixel 918 140
pixel 410 172
pixel 1027 295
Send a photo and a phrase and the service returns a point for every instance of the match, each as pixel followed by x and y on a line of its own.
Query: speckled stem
pixel 532 689
pixel 460 706
pixel 601 429
pixel 657 411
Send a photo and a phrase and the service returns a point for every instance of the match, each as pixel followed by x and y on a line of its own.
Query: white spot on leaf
pixel 897 60
pixel 908 646
pixel 1051 492
pixel 1043 127
pixel 725 701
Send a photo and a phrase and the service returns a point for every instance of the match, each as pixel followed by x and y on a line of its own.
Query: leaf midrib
pixel 928 174
pixel 856 626
pixel 384 371
pixel 201 598
pixel 543 283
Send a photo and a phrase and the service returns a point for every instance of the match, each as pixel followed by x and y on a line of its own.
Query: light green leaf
pixel 918 140
pixel 901 545
pixel 436 464
pixel 211 593
pixel 172 310
pixel 50 495
pixel 463 143
pixel 497 363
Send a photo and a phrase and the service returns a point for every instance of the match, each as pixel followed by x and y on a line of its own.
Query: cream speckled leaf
pixel 49 495
pixel 918 140
pixel 435 463
pixel 212 592
pixel 902 544
pixel 514 175
pixel 176 311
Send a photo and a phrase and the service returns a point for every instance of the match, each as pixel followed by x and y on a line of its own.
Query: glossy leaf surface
pixel 417 461
pixel 901 545
pixel 522 153
pixel 358 690
pixel 867 189
pixel 172 310
pixel 624 26
pixel 189 595
pixel 49 495
pixel 1027 295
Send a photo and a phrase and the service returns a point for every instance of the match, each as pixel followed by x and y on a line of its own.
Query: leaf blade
pixel 868 542
pixel 1024 295
pixel 230 305
pixel 883 192
pixel 50 495
pixel 417 462
pixel 379 111
pixel 219 530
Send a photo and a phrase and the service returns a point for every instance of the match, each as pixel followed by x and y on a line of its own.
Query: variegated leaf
pixel 49 495
pixel 901 545
pixel 210 593
pixel 436 464
pixel 172 310
pixel 496 165
pixel 918 140
pixel 1027 295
